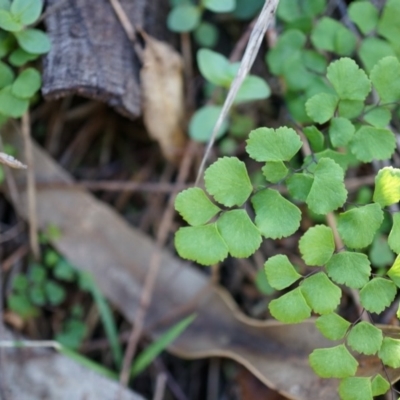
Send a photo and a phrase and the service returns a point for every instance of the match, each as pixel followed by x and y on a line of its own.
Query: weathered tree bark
pixel 91 55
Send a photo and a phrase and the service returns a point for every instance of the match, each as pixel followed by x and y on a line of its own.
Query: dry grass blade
pixel 264 20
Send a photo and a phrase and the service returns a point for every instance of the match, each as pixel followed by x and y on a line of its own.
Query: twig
pixel 31 344
pixel 31 190
pixel 265 18
pixel 127 26
pixel 154 266
pixel 21 251
pixel 161 382
pixel 115 186
pixel 186 46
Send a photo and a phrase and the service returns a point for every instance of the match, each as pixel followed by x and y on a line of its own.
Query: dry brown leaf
pixel 94 238
pixel 162 96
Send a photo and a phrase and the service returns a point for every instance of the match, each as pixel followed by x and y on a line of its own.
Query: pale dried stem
pixel 265 18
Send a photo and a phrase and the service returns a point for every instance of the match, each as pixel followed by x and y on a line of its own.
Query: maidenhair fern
pixel 231 217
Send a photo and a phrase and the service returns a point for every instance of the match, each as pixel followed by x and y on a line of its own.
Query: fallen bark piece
pixel 96 239
pixel 91 55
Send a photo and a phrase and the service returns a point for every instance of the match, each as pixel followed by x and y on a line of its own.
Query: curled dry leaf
pixel 10 161
pixel 162 95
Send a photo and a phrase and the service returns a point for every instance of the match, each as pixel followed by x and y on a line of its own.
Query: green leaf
pixel 276 217
pixel 390 352
pixel 387 186
pixel 365 338
pixel 33 41
pixel 388 25
pixel 372 50
pixel 64 271
pixel 228 182
pixel 290 308
pixel 332 326
pixel 151 352
pixel 320 293
pixel 334 362
pixel 317 245
pixel 315 137
pixel 5 5
pixel 195 207
pixel 350 269
pixel 357 227
pixel 239 233
pixel 377 294
pixel 11 105
pixel 299 186
pixel 54 292
pixel 20 57
pixel 365 15
pixel 37 295
pixel 27 83
pixel 20 283
pixel 394 271
pixel 274 171
pixel 378 117
pixel 379 385
pixel 6 75
pixel 267 144
pixel 327 191
pixel 27 11
pixel 37 273
pixel 202 244
pixel 206 34
pixel 385 77
pixel 342 159
pixel 314 61
pixel 371 143
pixel 203 121
pixel 241 125
pixel 8 22
pixel 380 254
pixel 247 9
pixel 219 6
pixel 350 108
pixel 214 67
pixel 288 43
pixel 252 88
pixel 331 35
pixel 290 11
pixel 349 81
pixel 341 130
pixel 394 236
pixel 355 388
pixel 183 18
pixel 280 272
pixel 321 107
pixel 22 306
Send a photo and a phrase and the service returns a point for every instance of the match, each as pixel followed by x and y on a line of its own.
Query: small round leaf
pixel 228 182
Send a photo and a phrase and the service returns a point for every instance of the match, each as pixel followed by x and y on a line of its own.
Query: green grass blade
pixel 108 323
pixel 146 357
